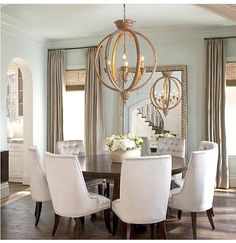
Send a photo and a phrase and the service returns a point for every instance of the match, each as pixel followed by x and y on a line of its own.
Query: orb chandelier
pixel 165 93
pixel 119 76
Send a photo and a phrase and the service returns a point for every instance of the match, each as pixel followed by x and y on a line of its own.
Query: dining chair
pixel 175 147
pixel 143 201
pixel 70 196
pixel 145 147
pixel 38 183
pixel 197 193
pixel 76 147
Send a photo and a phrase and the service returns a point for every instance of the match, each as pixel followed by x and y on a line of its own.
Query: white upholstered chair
pixel 144 192
pixel 70 197
pixel 38 183
pixel 197 192
pixel 175 147
pixel 145 151
pixel 76 147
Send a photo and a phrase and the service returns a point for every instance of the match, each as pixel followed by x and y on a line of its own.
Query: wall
pixel 33 58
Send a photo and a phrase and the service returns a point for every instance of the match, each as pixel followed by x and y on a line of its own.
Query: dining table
pixel 100 166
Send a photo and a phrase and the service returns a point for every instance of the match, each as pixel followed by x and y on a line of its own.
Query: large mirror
pixel 136 114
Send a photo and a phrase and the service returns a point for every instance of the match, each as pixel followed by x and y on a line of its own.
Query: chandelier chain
pixel 124 12
pixel 124 32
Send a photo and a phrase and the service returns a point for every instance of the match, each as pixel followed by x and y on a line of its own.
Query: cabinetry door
pixel 16 163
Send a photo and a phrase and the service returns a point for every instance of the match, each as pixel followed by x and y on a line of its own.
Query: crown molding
pixel 17 29
pixel 227 11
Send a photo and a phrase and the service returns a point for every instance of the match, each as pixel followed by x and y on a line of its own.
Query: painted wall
pixel 34 60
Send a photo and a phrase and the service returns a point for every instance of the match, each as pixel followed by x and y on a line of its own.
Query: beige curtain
pixel 56 73
pixel 215 105
pixel 94 131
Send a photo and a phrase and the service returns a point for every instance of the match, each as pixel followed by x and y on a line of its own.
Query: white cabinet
pixel 15 162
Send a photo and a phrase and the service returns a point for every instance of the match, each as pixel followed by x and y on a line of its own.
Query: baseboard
pixel 26 179
pixel 15 179
pixel 4 189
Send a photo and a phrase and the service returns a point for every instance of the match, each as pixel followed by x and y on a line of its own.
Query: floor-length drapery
pixel 56 74
pixel 94 130
pixel 215 105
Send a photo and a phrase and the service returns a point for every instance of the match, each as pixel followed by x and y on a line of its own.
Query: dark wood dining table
pixel 100 166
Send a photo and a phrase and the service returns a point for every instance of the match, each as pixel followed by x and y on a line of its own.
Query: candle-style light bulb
pixel 142 61
pixel 125 63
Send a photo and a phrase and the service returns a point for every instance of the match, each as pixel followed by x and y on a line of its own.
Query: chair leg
pixel 212 212
pixel 194 224
pixel 100 189
pixel 152 228
pixel 115 223
pixel 209 215
pixel 107 220
pixel 38 209
pixel 162 228
pixel 179 214
pixel 107 190
pixel 129 230
pixel 56 222
pixel 81 219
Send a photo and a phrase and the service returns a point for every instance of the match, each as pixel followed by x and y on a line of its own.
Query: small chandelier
pixel 165 93
pixel 121 77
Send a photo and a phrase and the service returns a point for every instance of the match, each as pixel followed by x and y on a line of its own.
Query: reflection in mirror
pixel 140 117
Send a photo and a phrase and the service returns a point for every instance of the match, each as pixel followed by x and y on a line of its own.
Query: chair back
pixel 144 188
pixel 74 147
pixel 206 145
pixel 38 183
pixel 173 146
pixel 145 147
pixel 70 197
pixel 198 189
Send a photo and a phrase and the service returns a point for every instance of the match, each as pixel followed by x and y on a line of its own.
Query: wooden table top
pixel 100 166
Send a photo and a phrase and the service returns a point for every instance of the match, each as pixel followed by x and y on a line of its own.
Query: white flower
pixel 164 135
pixel 124 142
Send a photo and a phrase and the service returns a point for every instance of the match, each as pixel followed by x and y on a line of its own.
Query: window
pixel 75 79
pixel 74 104
pixel 230 111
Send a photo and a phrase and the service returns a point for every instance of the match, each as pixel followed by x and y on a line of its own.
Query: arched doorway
pixel 19 119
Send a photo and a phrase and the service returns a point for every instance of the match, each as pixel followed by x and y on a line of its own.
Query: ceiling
pixel 53 22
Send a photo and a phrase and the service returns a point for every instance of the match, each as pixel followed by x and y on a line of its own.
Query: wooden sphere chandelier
pixel 165 93
pixel 119 76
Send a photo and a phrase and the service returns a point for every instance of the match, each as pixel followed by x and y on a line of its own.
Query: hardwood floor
pixel 17 222
pixel 16 187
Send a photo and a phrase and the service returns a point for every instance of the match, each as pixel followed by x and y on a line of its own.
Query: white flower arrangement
pixel 164 135
pixel 124 142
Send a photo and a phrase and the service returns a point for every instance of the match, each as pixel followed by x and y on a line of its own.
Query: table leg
pixel 116 189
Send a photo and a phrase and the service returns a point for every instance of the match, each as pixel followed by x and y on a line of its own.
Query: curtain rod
pixel 71 48
pixel 226 37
